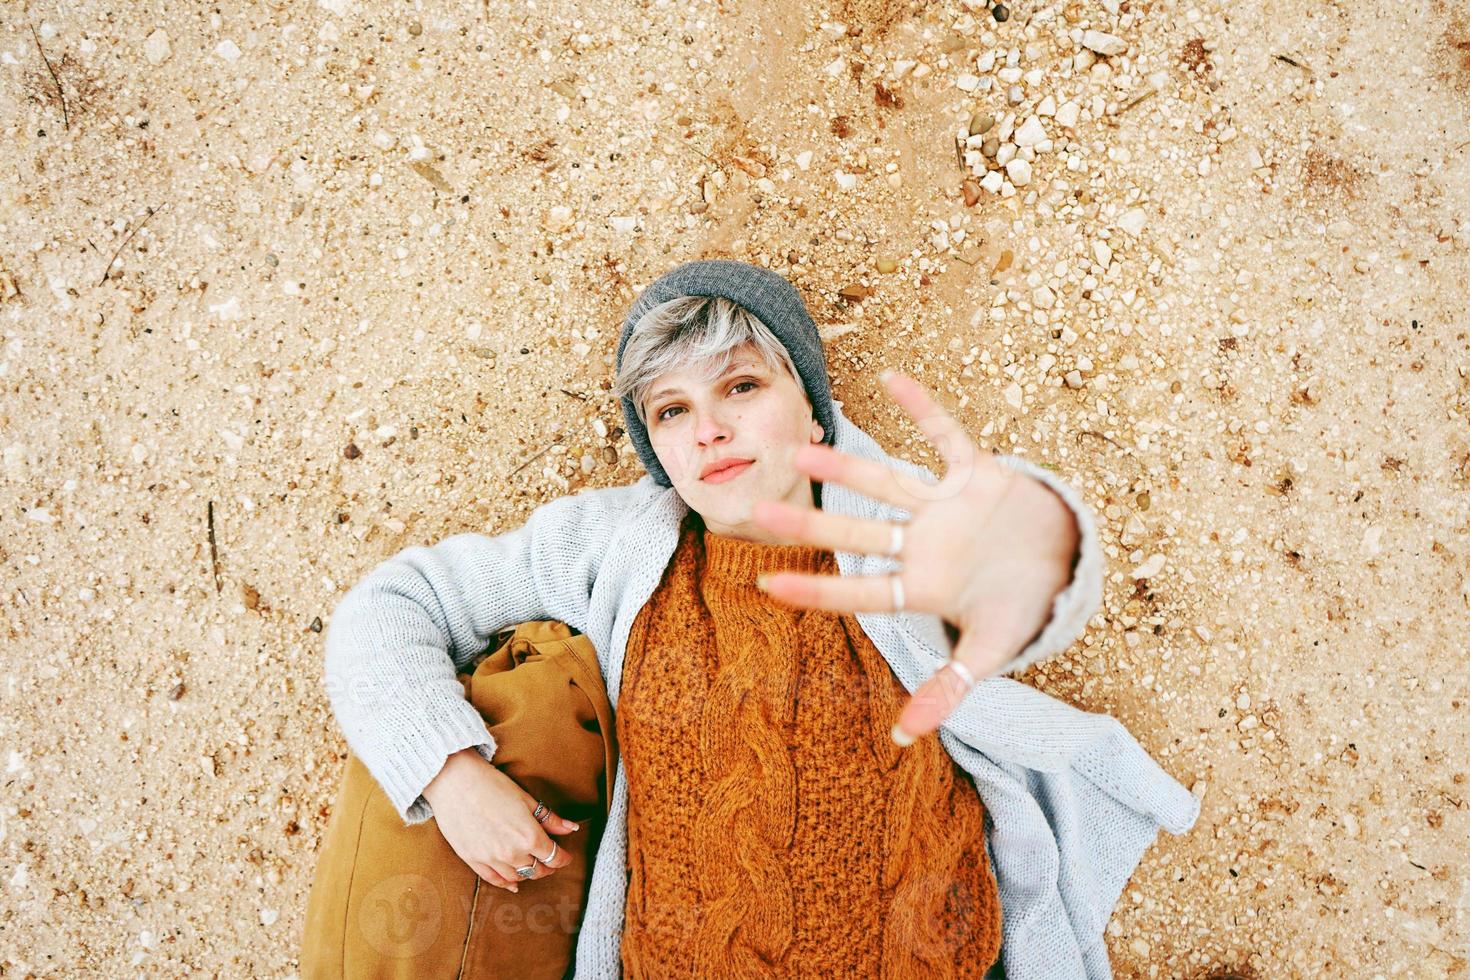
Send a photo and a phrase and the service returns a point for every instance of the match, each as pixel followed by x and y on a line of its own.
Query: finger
pixel 868 477
pixel 961 456
pixel 549 856
pixel 495 874
pixel 839 593
pixel 938 697
pixel 554 851
pixel 557 824
pixel 836 532
pixel 932 702
pixel 563 855
pixel 523 861
pixel 554 823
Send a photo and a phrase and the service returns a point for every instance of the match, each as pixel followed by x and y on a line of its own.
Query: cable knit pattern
pixel 774 829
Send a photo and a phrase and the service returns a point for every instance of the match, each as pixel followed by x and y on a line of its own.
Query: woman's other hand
pixel 488 821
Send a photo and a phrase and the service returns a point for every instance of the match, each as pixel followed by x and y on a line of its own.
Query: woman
pixel 763 820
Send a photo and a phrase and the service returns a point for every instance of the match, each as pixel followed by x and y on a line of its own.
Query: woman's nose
pixel 711 430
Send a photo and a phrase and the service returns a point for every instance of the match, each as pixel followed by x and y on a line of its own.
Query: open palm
pixel 985 548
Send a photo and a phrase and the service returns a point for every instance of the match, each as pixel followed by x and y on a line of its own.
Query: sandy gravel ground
pixel 288 287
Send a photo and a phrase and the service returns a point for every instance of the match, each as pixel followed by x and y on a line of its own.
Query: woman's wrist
pixel 455 762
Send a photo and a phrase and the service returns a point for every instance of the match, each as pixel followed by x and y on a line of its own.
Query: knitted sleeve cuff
pixel 420 748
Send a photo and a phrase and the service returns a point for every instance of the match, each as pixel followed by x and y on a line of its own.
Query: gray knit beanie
pixel 773 301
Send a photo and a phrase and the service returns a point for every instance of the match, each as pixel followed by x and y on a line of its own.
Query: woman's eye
pixel 662 416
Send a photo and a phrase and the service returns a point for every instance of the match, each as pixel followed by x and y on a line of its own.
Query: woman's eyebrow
pixel 732 369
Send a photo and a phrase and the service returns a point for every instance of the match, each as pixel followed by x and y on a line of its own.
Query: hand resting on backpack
pixel 487 819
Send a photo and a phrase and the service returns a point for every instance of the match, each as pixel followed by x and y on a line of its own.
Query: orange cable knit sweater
pixel 774 829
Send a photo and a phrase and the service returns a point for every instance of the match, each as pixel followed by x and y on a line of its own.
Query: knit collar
pixel 736 561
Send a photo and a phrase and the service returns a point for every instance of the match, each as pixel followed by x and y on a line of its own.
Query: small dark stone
pixel 1000 12
pixel 352 452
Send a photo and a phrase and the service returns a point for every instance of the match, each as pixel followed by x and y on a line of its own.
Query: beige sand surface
pixel 375 302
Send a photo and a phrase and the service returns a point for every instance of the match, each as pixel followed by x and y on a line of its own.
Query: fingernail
pixel 576 827
pixel 884 375
pixel 760 581
pixel 516 890
pixel 901 737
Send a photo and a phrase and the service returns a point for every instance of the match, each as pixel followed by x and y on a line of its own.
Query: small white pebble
pixel 1103 43
pixel 156 47
pixel 1149 568
pixel 1030 133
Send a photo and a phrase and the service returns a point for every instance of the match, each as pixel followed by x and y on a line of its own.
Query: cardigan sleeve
pixel 1074 605
pixel 398 639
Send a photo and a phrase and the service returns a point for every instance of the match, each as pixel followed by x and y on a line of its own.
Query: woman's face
pixel 751 413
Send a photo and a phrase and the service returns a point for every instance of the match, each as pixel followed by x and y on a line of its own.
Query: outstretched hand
pixel 986 549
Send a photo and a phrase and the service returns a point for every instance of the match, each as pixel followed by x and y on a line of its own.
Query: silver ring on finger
pixel 542 812
pixel 895 580
pixel 962 671
pixel 895 546
pixel 550 857
pixel 529 871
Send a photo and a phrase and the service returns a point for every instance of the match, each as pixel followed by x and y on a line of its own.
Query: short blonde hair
pixel 698 330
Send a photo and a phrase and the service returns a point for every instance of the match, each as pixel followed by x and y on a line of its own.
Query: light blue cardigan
pixel 1073 799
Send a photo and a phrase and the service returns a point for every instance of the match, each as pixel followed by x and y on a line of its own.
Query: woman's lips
pixel 729 472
